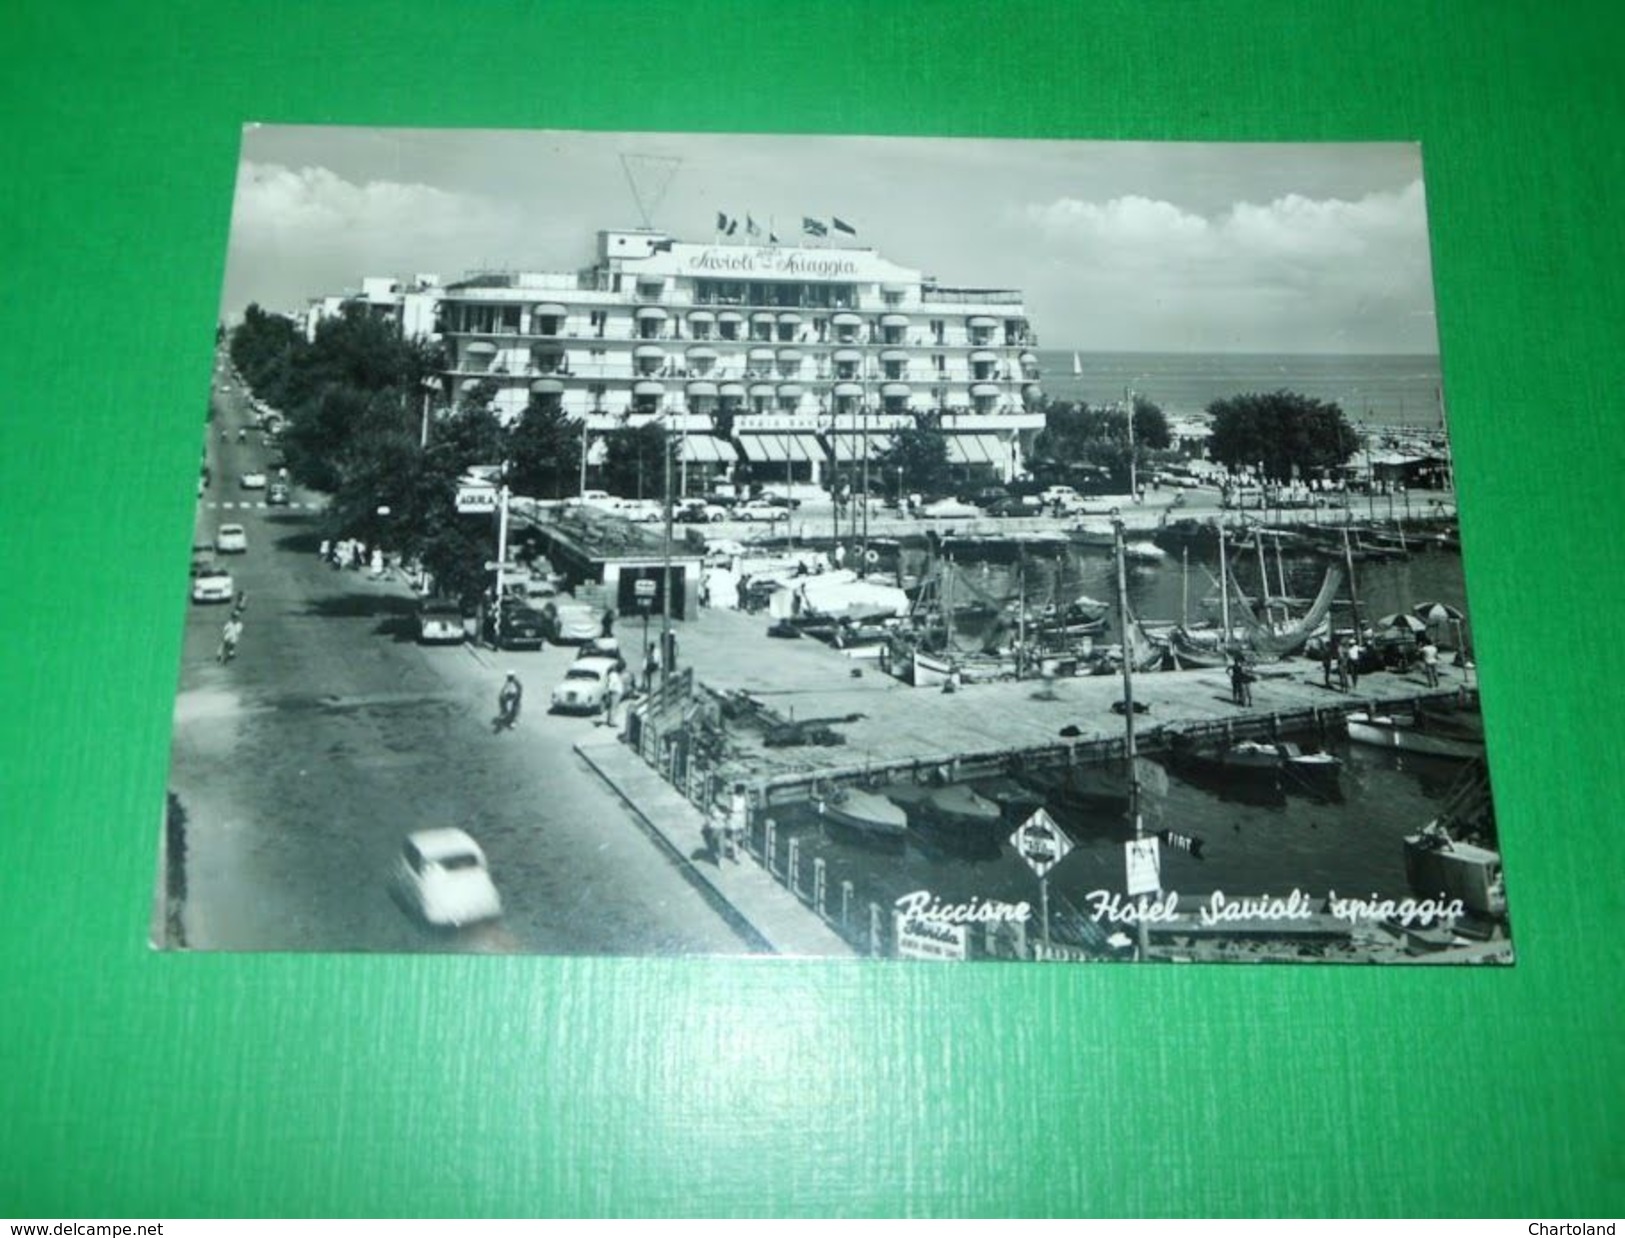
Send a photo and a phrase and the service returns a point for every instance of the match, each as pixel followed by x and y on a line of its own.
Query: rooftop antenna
pixel 649 176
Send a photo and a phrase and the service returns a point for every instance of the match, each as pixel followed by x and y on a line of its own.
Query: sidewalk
pixel 770 913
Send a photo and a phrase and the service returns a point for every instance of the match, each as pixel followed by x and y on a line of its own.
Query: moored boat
pixel 1437 865
pixel 1409 733
pixel 864 811
pixel 959 806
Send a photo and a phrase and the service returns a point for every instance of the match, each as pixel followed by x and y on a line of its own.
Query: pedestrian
pixel 1430 662
pixel 1342 668
pixel 229 636
pixel 508 700
pixel 614 688
pixel 1241 691
pixel 239 605
pixel 377 562
pixel 1328 659
pixel 1356 653
pixel 840 555
pixel 325 552
pixel 606 625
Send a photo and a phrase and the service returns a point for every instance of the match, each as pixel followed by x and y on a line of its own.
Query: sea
pixel 1391 389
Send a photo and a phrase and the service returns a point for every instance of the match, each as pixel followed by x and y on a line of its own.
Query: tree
pixel 544 453
pixel 1150 426
pixel 634 462
pixel 920 456
pixel 1283 431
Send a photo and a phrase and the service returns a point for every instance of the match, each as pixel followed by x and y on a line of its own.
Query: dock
pixel 891 729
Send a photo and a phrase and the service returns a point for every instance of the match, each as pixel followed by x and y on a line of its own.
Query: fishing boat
pixel 1144 552
pixel 1438 865
pixel 951 803
pixel 1252 757
pixel 1410 733
pixel 864 812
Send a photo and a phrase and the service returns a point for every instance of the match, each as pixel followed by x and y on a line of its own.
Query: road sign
pixel 1041 843
pixel 1144 863
pixel 476 498
pixel 644 588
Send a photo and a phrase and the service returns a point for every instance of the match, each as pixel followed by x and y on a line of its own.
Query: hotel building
pixel 785 357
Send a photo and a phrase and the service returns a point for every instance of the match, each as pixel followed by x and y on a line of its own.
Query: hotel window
pixel 846 370
pixel 939 363
pixel 895 369
pixel 936 331
pixel 599 318
pixel 596 393
pixel 762 331
pixel 700 330
pixel 728 330
pixel 598 360
pixel 893 335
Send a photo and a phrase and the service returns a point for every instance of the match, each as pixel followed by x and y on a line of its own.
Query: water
pixel 1402 390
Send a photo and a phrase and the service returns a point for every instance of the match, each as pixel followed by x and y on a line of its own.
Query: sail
pixel 1265 639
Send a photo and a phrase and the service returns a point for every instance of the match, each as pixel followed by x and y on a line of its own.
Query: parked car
pixel 760 509
pixel 521 627
pixel 252 481
pixel 213 584
pixel 442 876
pixel 702 513
pixel 277 494
pixel 581 691
pixel 1013 506
pixel 569 622
pixel 949 509
pixel 231 540
pixel 440 621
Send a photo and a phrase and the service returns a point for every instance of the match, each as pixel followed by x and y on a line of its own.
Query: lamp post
pixel 665 558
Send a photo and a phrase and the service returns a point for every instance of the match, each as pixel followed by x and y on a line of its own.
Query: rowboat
pixel 958 806
pixel 1409 733
pixel 864 811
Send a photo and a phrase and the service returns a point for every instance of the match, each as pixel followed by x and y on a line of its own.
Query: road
pixel 302 765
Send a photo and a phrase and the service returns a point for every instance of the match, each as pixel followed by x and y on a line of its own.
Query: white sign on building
pixel 476 499
pixel 919 938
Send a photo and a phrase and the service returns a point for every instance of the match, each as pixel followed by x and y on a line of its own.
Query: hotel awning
pixel 650 311
pixel 895 389
pixel 481 348
pixel 550 310
pixel 849 389
pixel 850 446
pixel 730 316
pixel 761 354
pixel 702 388
pixel 792 391
pixel 647 387
pixel 1029 358
pixel 762 316
pixel 804 447
pixel 547 386
pixel 848 355
pixel 701 316
pixel 648 350
pixel 983 390
pixel 702 354
pixel 789 354
pixel 758 390
pixel 732 390
pixel 984 358
pixel 894 320
pixel 981 320
pixel 703 449
pixel 847 320
pixel 755 447
pixel 790 319
pixel 1031 391
pixel 895 290
pixel 894 354
pixel 968 449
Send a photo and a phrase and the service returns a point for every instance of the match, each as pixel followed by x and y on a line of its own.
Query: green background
pixel 137 1084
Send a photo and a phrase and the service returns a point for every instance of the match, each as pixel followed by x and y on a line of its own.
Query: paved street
pixel 303 764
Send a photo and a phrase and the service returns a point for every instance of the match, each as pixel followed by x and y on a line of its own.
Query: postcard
pixel 846 547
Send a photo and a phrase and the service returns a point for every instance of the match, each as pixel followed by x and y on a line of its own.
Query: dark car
pixel 277 495
pixel 1012 506
pixel 985 498
pixel 522 628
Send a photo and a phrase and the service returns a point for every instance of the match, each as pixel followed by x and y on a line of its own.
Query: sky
pixel 1117 246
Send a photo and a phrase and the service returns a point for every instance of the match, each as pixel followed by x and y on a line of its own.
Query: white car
pixel 441 875
pixel 253 481
pixel 581 691
pixel 231 540
pixel 760 509
pixel 949 509
pixel 213 584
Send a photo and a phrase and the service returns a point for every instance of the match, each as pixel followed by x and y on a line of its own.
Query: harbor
pixel 856 788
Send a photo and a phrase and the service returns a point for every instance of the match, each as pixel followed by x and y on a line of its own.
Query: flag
pixel 750 227
pixel 772 238
pixel 733 226
pixel 842 226
pixel 722 222
pixel 813 227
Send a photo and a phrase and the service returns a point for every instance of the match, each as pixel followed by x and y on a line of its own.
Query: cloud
pixel 315 204
pixel 1315 272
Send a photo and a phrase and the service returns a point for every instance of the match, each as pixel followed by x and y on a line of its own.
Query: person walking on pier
pixel 1328 659
pixel 614 688
pixel 1343 667
pixel 1430 662
pixel 1241 682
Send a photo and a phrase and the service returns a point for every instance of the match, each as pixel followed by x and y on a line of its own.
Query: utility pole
pixel 665 562
pixel 581 488
pixel 1129 755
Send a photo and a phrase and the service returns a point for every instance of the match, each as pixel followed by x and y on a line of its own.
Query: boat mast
pixel 1280 572
pixel 1354 592
pixel 1224 590
pixel 1021 608
pixel 1264 578
pixel 1184 586
pixel 1128 721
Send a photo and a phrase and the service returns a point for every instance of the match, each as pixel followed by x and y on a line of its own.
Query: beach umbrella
pixel 1404 620
pixel 1437 612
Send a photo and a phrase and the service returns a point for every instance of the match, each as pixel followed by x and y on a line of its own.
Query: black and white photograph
pixel 924 549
